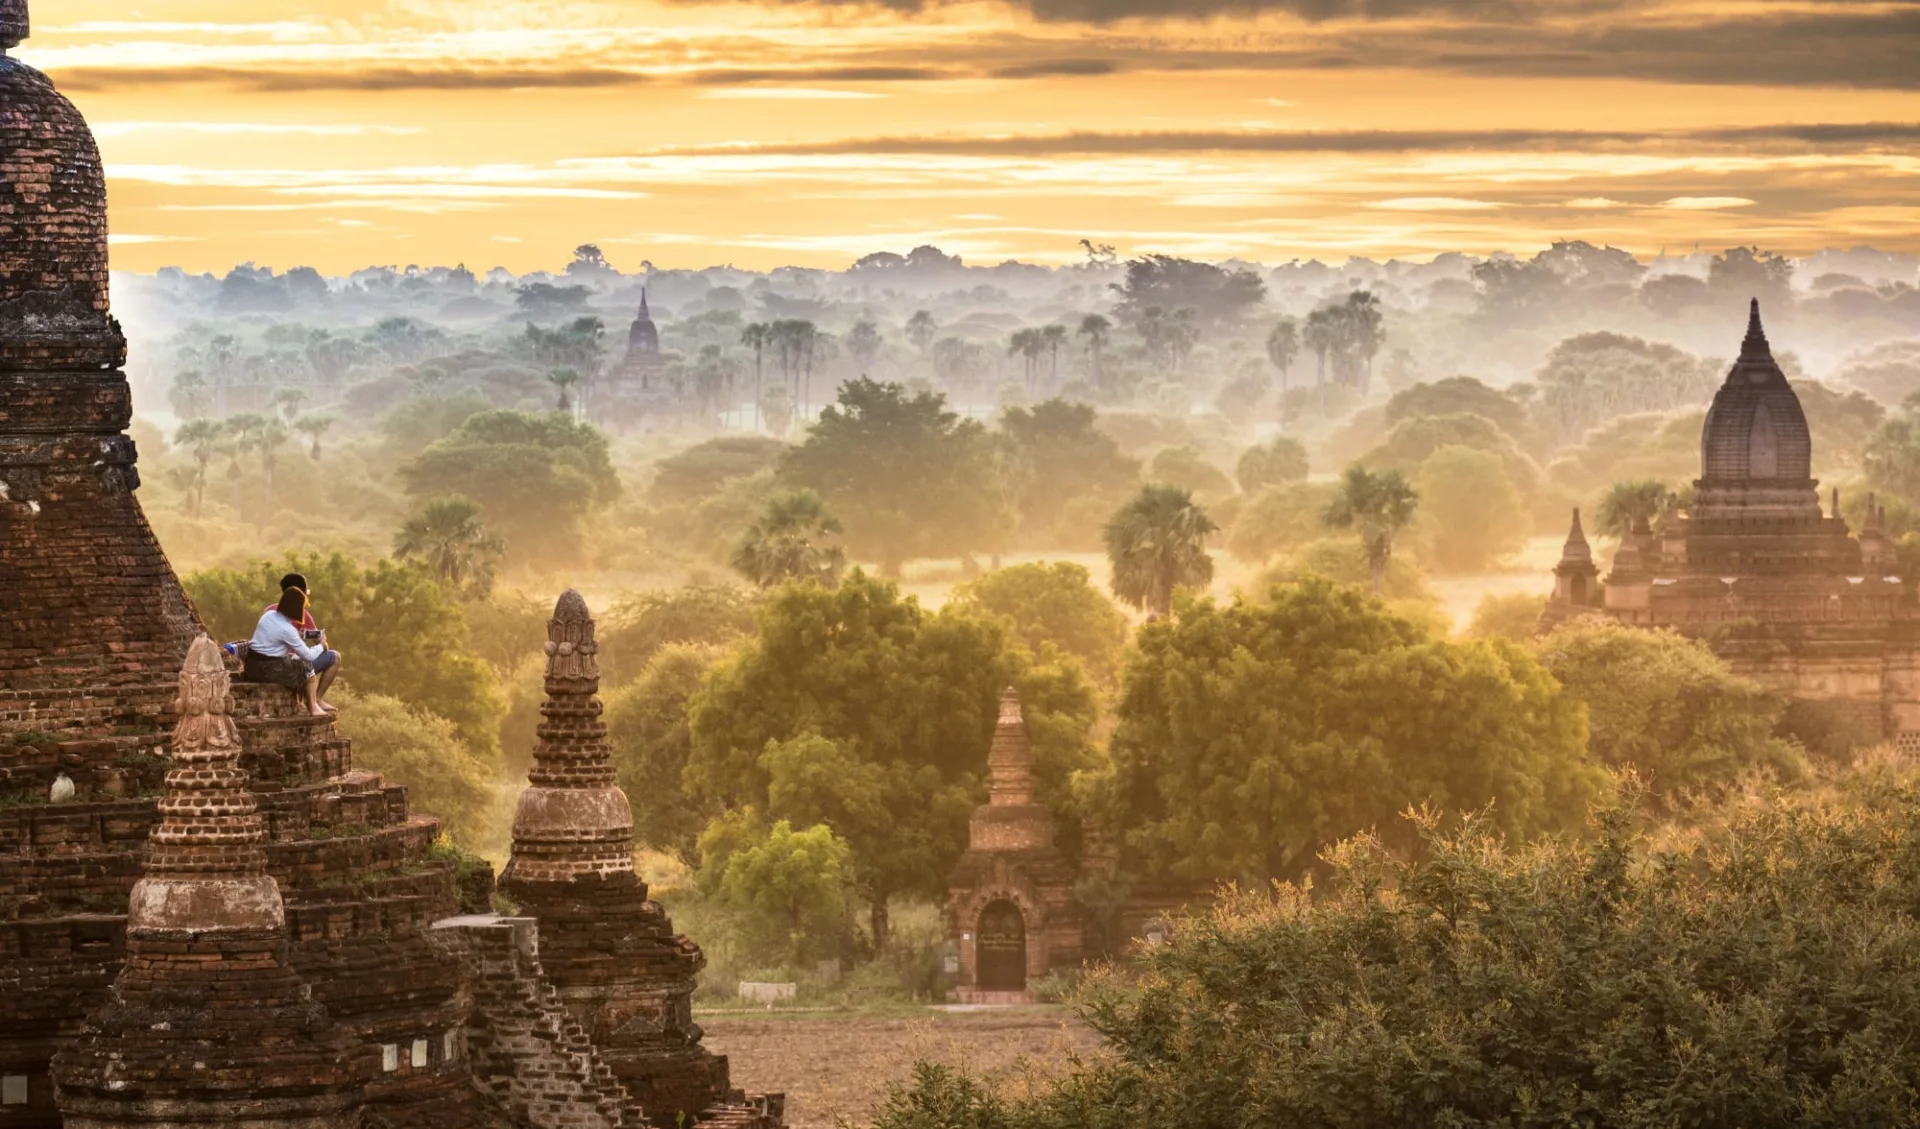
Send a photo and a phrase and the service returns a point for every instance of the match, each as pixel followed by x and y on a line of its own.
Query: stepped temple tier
pixel 208 916
pixel 1775 583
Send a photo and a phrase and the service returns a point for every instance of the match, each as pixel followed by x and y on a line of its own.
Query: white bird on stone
pixel 62 789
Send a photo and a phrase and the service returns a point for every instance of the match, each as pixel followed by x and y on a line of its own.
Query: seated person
pixel 297 580
pixel 279 655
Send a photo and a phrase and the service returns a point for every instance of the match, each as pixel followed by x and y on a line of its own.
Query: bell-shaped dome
pixel 1756 430
pixel 53 223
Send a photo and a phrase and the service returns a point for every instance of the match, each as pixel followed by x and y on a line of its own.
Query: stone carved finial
pixel 207 866
pixel 573 819
pixel 1010 760
pixel 14 24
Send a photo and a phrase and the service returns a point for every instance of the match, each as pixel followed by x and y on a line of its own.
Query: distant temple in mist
pixel 1781 589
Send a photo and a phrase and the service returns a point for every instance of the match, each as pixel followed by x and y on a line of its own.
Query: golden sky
pixel 342 133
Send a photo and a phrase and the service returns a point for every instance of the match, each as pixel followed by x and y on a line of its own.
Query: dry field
pixel 834 1067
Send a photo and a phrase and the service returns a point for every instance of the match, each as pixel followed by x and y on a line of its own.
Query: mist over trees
pixel 1207 518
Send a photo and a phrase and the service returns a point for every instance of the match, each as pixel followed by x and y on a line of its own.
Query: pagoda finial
pixel 1755 346
pixel 13 23
pixel 1010 760
pixel 644 315
pixel 1576 535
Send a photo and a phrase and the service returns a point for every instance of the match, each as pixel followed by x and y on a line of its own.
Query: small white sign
pixel 419 1052
pixel 13 1089
pixel 390 1057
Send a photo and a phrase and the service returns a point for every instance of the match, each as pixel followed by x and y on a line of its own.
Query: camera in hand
pixel 311 636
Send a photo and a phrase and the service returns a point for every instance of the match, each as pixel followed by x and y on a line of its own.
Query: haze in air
pixel 1049 564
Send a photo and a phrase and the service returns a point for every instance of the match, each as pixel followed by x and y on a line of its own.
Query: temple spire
pixel 13 23
pixel 1010 760
pixel 644 315
pixel 573 819
pixel 1577 548
pixel 1755 346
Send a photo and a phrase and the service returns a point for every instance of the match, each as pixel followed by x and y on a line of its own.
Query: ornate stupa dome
pixel 53 223
pixel 1756 430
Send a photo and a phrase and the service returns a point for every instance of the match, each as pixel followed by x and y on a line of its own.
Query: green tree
pixel 1515 616
pixel 1667 706
pixel 564 379
pixel 1283 348
pixel 637 627
pixel 1216 295
pixel 1053 605
pixel 921 328
pixel 456 547
pixel 1378 506
pixel 791 886
pixel 1746 978
pixel 1157 544
pixel 201 438
pixel 648 733
pixel 1054 453
pixel 1253 735
pixel 863 342
pixel 1279 460
pixel 1627 503
pixel 1184 466
pixel 424 752
pixel 1475 517
pixel 909 477
pixel 1279 519
pixel 538 479
pixel 1097 331
pixel 795 538
pixel 1457 395
pixel 313 427
pixel 898 706
pixel 400 631
pixel 1892 457
pixel 1413 441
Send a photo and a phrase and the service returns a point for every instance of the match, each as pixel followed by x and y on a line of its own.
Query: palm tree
pixel 789 541
pixel 1365 324
pixel 1379 506
pixel 921 328
pixel 1096 330
pixel 757 337
pixel 863 341
pixel 564 379
pixel 202 437
pixel 456 547
pixel 1627 504
pixel 271 436
pixel 313 427
pixel 1051 338
pixel 288 400
pixel 1321 335
pixel 1283 345
pixel 1157 543
pixel 1026 345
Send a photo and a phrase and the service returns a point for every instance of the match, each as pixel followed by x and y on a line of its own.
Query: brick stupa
pixel 1010 900
pixel 208 1025
pixel 611 953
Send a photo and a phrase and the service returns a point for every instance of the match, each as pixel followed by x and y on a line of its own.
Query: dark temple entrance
pixel 1000 948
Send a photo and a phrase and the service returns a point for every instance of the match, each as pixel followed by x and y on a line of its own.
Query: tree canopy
pixel 1756 977
pixel 1052 455
pixel 1252 735
pixel 856 708
pixel 909 477
pixel 1667 706
pixel 1157 544
pixel 1053 605
pixel 537 479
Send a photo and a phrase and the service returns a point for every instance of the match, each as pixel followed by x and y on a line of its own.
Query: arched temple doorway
pixel 1000 948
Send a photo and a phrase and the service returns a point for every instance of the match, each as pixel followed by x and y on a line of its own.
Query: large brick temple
pixel 208 916
pixel 1774 583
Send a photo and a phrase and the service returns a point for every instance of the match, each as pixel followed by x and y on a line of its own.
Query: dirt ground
pixel 839 1067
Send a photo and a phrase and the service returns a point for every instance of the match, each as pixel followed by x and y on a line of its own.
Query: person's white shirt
pixel 277 636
